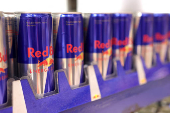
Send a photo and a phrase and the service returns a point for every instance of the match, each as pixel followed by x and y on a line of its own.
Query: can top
pixel 1 13
pixel 121 14
pixel 160 14
pixel 67 13
pixel 8 12
pixel 139 14
pixel 34 12
pixel 98 13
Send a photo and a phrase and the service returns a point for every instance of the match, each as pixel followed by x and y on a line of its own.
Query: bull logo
pixel 2 70
pixel 51 62
pixel 80 57
pixel 43 63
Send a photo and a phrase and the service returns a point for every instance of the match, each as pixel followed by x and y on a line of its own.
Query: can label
pixel 69 47
pixel 3 66
pixel 144 37
pixel 122 39
pixel 3 62
pixel 169 38
pixel 35 51
pixel 98 42
pixel 161 35
pixel 11 39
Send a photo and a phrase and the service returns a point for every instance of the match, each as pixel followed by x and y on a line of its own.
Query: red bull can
pixel 98 45
pixel 169 37
pixel 161 35
pixel 143 41
pixel 35 50
pixel 69 46
pixel 122 36
pixel 11 43
pixel 3 61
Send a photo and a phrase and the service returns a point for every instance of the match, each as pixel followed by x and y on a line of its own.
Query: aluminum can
pixel 69 46
pixel 169 37
pixel 115 36
pixel 11 43
pixel 98 45
pixel 161 35
pixel 35 50
pixel 3 61
pixel 143 41
pixel 122 38
pixel 128 41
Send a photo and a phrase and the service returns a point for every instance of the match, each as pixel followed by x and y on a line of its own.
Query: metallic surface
pixel 143 41
pixel 129 44
pixel 3 61
pixel 98 49
pixel 161 35
pixel 11 45
pixel 169 38
pixel 122 37
pixel 35 50
pixel 69 45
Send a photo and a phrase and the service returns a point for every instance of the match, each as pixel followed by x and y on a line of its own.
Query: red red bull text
pixel 127 41
pixel 33 53
pixel 3 57
pixel 160 37
pixel 99 45
pixel 146 38
pixel 71 49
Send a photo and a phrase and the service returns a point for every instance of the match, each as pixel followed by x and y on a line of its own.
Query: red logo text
pixel 42 70
pixel 160 37
pixel 99 45
pixel 33 53
pixel 71 49
pixel 146 38
pixel 127 41
pixel 3 57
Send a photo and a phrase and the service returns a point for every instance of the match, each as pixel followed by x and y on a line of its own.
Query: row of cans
pixel 151 36
pixel 35 44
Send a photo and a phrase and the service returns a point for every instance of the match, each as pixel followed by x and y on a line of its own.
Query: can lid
pixel 98 13
pixel 1 13
pixel 34 12
pixel 8 12
pixel 66 13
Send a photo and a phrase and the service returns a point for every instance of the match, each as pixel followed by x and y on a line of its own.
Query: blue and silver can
pixel 98 45
pixel 143 37
pixel 35 50
pixel 122 38
pixel 161 35
pixel 3 61
pixel 69 46
pixel 169 37
pixel 11 43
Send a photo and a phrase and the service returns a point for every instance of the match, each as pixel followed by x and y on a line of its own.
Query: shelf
pixel 126 92
pixel 129 100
